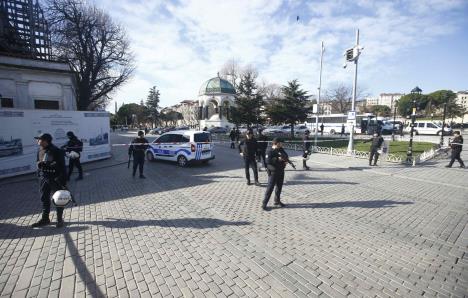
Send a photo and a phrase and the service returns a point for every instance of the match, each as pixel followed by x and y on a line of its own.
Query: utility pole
pixel 352 55
pixel 319 92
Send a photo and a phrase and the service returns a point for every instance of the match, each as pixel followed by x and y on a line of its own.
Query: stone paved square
pixel 348 231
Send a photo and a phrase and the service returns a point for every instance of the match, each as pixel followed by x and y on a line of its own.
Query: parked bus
pixel 332 123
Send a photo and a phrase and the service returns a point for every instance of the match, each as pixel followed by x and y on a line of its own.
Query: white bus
pixel 332 123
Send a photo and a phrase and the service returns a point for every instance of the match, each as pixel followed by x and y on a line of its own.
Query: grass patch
pixel 397 147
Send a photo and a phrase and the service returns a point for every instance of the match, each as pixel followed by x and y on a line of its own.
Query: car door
pixel 160 149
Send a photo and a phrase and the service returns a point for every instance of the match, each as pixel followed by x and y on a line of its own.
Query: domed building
pixel 215 98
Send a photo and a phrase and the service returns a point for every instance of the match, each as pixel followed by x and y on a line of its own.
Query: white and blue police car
pixel 182 146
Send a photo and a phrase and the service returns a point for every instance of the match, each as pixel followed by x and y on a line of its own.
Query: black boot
pixel 42 222
pixel 60 223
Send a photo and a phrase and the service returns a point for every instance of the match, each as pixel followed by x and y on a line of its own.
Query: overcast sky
pixel 180 44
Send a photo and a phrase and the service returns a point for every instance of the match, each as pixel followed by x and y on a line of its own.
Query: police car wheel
pixel 332 132
pixel 149 156
pixel 182 161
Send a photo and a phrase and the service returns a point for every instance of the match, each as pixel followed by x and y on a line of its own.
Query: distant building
pixel 389 99
pixel 189 111
pixel 372 101
pixel 462 99
pixel 36 84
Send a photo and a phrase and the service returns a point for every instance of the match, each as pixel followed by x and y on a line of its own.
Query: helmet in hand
pixel 61 198
pixel 73 155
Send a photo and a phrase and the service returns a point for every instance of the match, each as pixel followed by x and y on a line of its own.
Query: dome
pixel 216 85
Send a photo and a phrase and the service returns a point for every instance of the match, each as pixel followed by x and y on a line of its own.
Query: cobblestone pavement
pixel 348 230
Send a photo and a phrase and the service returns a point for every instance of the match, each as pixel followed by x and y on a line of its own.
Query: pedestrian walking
pixel 73 149
pixel 321 129
pixel 232 136
pixel 237 135
pixel 262 147
pixel 306 149
pixel 277 159
pixel 52 177
pixel 137 149
pixel 248 149
pixel 376 145
pixel 342 129
pixel 457 147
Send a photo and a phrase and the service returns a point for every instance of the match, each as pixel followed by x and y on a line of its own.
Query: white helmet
pixel 73 155
pixel 61 198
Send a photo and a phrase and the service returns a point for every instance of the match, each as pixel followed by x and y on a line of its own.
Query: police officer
pixel 74 145
pixel 321 129
pixel 262 147
pixel 377 142
pixel 276 162
pixel 138 149
pixel 232 136
pixel 52 177
pixel 248 149
pixel 457 146
pixel 306 148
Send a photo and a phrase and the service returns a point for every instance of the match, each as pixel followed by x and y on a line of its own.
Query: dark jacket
pixel 138 150
pixel 376 142
pixel 73 145
pixel 232 135
pixel 273 161
pixel 262 143
pixel 307 143
pixel 51 164
pixel 457 144
pixel 248 148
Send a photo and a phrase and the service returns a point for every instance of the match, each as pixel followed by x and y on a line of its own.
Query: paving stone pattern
pixel 348 230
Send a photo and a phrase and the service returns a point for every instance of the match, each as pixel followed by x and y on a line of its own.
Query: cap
pixel 44 136
pixel 141 133
pixel 70 134
pixel 277 140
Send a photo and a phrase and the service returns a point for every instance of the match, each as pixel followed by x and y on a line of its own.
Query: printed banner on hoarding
pixel 18 148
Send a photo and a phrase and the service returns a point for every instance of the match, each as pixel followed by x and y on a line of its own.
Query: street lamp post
pixel 443 125
pixel 319 92
pixel 394 119
pixel 352 55
pixel 409 155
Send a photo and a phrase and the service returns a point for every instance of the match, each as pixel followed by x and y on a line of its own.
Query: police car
pixel 183 147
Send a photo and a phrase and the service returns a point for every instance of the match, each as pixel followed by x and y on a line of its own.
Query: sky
pixel 178 45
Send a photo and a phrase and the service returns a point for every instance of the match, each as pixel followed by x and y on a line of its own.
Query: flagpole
pixel 319 92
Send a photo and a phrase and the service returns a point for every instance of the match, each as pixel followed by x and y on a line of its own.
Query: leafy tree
pixel 127 111
pixel 291 109
pixel 405 104
pixel 96 48
pixel 440 97
pixel 152 103
pixel 248 101
pixel 381 110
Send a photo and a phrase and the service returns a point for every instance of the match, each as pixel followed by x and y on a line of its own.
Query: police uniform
pixel 262 147
pixel 74 145
pixel 275 168
pixel 232 136
pixel 375 146
pixel 306 149
pixel 138 149
pixel 52 177
pixel 457 146
pixel 249 148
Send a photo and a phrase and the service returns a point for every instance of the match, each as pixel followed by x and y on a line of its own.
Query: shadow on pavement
pixel 351 204
pixel 12 231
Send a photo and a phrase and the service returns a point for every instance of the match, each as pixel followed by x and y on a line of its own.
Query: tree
pixel 152 103
pixel 127 111
pixel 291 109
pixel 340 99
pixel 171 117
pixel 405 103
pixel 381 110
pixel 248 101
pixel 440 97
pixel 96 48
pixel 231 71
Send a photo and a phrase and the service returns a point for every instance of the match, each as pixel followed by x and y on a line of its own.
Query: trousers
pixel 276 178
pixel 456 156
pixel 46 188
pixel 250 162
pixel 72 163
pixel 138 162
pixel 373 155
pixel 261 157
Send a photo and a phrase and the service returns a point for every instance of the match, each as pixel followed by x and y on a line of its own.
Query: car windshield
pixel 202 137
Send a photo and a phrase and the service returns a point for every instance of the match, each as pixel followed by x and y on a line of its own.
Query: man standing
pixel 247 149
pixel 376 145
pixel 321 129
pixel 342 129
pixel 232 136
pixel 262 147
pixel 74 145
pixel 276 162
pixel 457 147
pixel 51 171
pixel 306 147
pixel 138 149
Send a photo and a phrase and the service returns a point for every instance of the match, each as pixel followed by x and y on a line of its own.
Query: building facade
pixel 189 111
pixel 389 99
pixel 36 84
pixel 462 99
